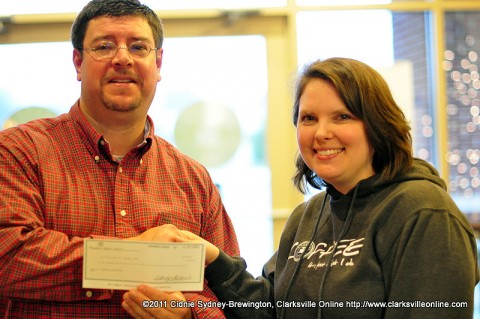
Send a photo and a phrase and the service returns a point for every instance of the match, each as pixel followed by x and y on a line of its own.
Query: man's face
pixel 123 83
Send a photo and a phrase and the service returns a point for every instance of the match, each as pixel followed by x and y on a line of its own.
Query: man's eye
pixel 138 47
pixel 104 47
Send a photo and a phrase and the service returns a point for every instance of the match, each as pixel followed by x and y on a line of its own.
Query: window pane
pixel 410 43
pixel 393 43
pixel 461 64
pixel 211 103
pixel 36 76
pixel 366 36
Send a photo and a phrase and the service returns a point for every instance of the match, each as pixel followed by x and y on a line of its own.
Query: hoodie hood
pixel 421 170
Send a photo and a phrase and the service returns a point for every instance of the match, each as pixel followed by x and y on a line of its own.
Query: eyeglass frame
pixel 116 48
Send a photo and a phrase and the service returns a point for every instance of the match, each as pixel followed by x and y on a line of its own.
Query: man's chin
pixel 121 104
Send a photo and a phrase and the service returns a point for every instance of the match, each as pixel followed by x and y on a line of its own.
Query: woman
pixel 384 240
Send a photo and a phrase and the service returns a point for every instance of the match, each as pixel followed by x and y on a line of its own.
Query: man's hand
pixel 146 302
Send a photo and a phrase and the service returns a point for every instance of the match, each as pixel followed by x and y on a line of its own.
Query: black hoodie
pixel 387 249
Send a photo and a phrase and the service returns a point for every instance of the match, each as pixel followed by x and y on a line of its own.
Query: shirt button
pixel 141 161
pixel 123 212
pixel 120 169
pixel 96 158
pixel 89 294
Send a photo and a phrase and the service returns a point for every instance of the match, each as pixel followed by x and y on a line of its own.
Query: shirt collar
pixel 95 141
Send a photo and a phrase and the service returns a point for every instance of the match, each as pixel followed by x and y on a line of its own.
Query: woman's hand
pixel 211 251
pixel 146 302
pixel 170 233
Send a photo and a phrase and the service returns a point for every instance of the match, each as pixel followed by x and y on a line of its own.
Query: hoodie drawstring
pixel 297 267
pixel 346 226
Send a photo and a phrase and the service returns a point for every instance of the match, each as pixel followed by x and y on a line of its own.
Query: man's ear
pixel 77 62
pixel 158 60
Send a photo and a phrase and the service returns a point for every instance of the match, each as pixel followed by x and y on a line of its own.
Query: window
pixel 461 65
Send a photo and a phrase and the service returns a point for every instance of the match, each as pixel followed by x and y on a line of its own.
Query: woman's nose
pixel 323 131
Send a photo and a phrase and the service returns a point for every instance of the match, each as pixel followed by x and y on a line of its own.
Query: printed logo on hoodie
pixel 320 254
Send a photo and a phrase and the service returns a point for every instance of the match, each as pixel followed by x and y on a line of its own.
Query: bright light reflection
pixel 339 2
pixel 363 35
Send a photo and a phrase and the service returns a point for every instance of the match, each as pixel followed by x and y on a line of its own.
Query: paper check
pixel 123 265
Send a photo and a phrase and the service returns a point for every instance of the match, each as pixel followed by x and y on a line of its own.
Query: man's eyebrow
pixel 129 40
pixel 111 38
pixel 102 37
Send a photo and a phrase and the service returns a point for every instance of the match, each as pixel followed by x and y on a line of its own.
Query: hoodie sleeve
pixel 244 295
pixel 431 271
pixel 249 297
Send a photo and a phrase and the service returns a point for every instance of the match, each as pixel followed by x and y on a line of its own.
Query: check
pixel 123 265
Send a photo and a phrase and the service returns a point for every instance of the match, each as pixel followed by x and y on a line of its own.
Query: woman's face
pixel 331 139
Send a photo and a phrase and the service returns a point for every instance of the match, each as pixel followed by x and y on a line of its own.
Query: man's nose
pixel 122 57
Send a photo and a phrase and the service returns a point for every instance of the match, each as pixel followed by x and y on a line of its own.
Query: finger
pixel 155 294
pixel 130 310
pixel 177 295
pixel 140 306
pixel 175 304
pixel 131 306
pixel 179 306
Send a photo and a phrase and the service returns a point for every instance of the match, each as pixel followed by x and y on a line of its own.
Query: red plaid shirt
pixel 60 185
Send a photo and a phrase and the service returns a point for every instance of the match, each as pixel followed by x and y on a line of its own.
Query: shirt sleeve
pixel 432 271
pixel 35 263
pixel 217 226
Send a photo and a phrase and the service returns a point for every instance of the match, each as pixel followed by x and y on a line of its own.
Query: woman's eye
pixel 307 118
pixel 344 117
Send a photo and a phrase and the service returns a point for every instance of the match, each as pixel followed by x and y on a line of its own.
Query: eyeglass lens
pixel 109 49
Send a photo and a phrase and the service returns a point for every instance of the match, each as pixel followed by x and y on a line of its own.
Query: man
pixel 99 172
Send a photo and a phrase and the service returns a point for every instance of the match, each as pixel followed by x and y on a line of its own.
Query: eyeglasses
pixel 108 49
